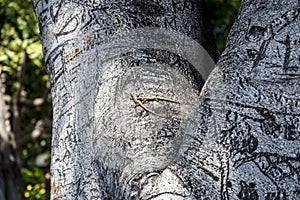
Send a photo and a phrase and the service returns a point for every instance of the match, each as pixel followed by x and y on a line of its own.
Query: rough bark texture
pixel 246 131
pixel 99 54
pixel 241 142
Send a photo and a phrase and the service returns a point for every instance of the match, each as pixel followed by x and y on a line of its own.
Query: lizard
pixel 140 101
pixel 143 99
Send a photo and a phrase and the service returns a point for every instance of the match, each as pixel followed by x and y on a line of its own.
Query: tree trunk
pixel 11 187
pixel 243 140
pixel 125 77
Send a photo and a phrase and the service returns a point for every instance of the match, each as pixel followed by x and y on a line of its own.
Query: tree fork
pixel 97 54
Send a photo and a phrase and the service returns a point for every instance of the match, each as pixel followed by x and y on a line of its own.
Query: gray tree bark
pixel 243 141
pixel 240 142
pixel 105 57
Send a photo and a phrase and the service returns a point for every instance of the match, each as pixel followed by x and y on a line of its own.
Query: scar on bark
pixel 87 40
pixel 72 54
pixel 56 188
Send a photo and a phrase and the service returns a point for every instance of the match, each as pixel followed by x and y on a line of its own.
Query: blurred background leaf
pixel 222 15
pixel 19 33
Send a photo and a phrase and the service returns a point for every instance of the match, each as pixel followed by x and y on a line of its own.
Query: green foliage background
pixel 222 14
pixel 19 32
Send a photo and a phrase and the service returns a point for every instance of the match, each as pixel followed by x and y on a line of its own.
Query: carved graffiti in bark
pixel 250 108
pixel 240 142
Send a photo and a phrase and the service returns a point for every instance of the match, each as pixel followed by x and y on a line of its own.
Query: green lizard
pixel 140 101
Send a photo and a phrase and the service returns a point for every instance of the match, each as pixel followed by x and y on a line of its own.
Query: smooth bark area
pixel 125 77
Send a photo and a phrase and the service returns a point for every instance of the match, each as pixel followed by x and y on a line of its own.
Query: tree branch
pixel 16 102
pixel 36 133
pixel 37 101
pixel 3 133
pixel 20 73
